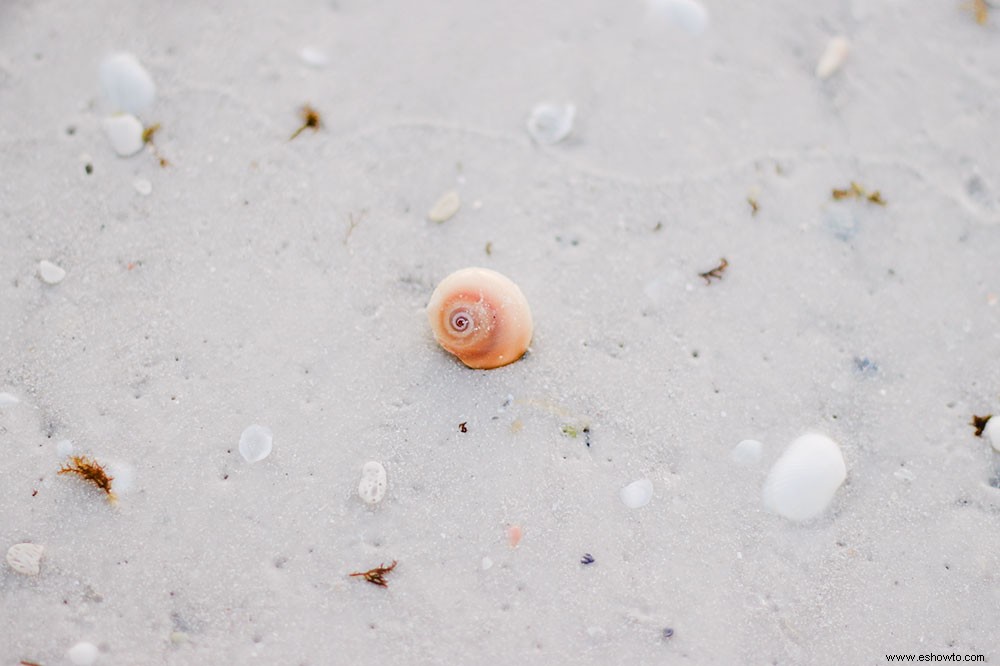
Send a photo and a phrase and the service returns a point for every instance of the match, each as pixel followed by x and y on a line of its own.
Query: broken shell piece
pixel 50 273
pixel 481 317
pixel 445 208
pixel 256 443
pixel 124 131
pixel 747 452
pixel 8 399
pixel 992 432
pixel 804 479
pixel 837 50
pixel 514 535
pixel 637 494
pixel 24 558
pixel 126 83
pixel 551 123
pixel 373 482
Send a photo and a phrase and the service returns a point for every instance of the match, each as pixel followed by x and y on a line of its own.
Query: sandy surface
pixel 283 283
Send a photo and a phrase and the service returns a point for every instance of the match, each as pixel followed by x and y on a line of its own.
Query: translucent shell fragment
pixel 481 317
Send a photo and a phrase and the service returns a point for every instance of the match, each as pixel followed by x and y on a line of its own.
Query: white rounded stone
pixel 487 564
pixel 50 273
pixel 803 480
pixel 834 56
pixel 747 452
pixel 637 494
pixel 445 207
pixel 82 654
pixel 549 124
pixel 256 443
pixel 373 483
pixel 126 83
pixel 124 132
pixel 25 558
pixel 992 432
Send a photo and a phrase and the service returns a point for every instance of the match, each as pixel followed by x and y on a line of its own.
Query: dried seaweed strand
pixel 715 272
pixel 376 576
pixel 310 119
pixel 979 423
pixel 91 471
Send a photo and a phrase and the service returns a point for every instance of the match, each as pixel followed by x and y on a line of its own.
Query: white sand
pixel 283 283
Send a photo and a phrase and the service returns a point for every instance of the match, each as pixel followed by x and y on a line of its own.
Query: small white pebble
pixel 255 443
pixel 637 494
pixel 747 452
pixel 124 131
pixel 487 564
pixel 837 50
pixel 314 57
pixel 688 15
pixel 24 558
pixel 904 474
pixel 992 432
pixel 82 654
pixel 373 483
pixel 126 83
pixel 8 399
pixel 143 186
pixel 445 208
pixel 50 273
pixel 549 124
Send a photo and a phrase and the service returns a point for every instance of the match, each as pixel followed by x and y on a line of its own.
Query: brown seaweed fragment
pixel 715 272
pixel 376 576
pixel 979 423
pixel 310 119
pixel 91 471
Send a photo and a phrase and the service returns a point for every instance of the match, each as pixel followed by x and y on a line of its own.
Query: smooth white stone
pixel 373 483
pixel 255 443
pixel 124 131
pixel 126 83
pixel 992 432
pixel 487 564
pixel 143 186
pixel 314 57
pixel 904 474
pixel 837 50
pixel 637 494
pixel 8 399
pixel 24 558
pixel 747 452
pixel 445 208
pixel 803 480
pixel 82 654
pixel 688 15
pixel 549 124
pixel 50 273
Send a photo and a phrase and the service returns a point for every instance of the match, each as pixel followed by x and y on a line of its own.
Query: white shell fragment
pixel 549 124
pixel 24 558
pixel 50 273
pixel 82 654
pixel 8 399
pixel 314 57
pixel 373 483
pixel 747 452
pixel 804 479
pixel 688 15
pixel 255 443
pixel 143 186
pixel 637 494
pixel 992 432
pixel 487 564
pixel 124 132
pixel 445 208
pixel 837 50
pixel 126 83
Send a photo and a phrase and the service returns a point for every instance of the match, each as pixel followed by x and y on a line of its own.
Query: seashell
pixel 445 207
pixel 83 654
pixel 514 535
pixel 255 443
pixel 24 558
pixel 747 452
pixel 992 432
pixel 481 317
pixel 373 483
pixel 127 84
pixel 835 54
pixel 125 134
pixel 803 480
pixel 50 273
pixel 637 494
pixel 549 124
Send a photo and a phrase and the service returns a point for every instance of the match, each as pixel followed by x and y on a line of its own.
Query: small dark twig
pixel 310 119
pixel 376 576
pixel 715 272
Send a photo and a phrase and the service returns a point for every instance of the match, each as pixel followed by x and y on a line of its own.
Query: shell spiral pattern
pixel 481 317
